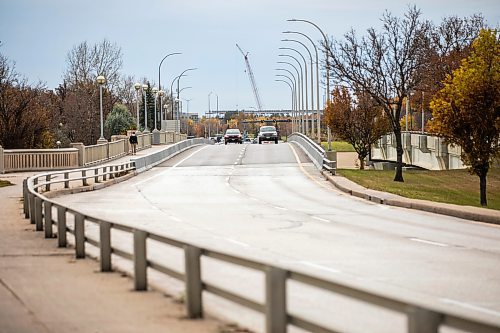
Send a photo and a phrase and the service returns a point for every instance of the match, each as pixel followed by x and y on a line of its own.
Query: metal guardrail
pixel 315 152
pixel 39 208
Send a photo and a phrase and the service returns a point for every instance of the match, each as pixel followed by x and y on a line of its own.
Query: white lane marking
pixel 470 306
pixel 236 191
pixel 254 199
pixel 176 219
pixel 428 242
pixel 310 264
pixel 320 219
pixel 237 242
pixel 280 208
pixel 235 162
pixel 301 167
pixel 174 166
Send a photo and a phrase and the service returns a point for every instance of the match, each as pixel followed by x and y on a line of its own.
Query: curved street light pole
pixel 294 84
pixel 159 67
pixel 288 83
pixel 297 93
pixel 318 113
pixel 302 128
pixel 178 82
pixel 209 134
pixel 179 99
pixel 306 117
pixel 312 83
pixel 327 70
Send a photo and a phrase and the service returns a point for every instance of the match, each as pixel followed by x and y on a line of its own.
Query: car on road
pixel 267 133
pixel 233 135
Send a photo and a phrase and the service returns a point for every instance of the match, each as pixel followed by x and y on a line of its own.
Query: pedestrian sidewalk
pixel 45 289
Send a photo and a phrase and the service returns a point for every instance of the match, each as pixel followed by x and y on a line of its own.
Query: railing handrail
pixel 420 315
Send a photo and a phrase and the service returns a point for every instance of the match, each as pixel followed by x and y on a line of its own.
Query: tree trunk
pixel 361 163
pixel 482 188
pixel 399 153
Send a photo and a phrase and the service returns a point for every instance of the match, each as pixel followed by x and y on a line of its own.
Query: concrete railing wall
pixel 320 158
pixel 422 150
pixel 15 160
pixel 12 160
pixel 422 316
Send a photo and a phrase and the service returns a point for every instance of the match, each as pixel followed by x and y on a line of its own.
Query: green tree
pixel 119 120
pixel 467 110
pixel 360 122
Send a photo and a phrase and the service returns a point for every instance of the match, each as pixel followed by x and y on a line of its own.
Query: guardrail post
pixel 140 260
pixel 47 180
pixel 61 226
pixel 104 176
pixel 38 214
pixel 84 176
pixel 111 174
pixel 31 198
pixel 276 317
pixel 26 203
pixel 423 321
pixel 48 219
pixel 96 174
pixel 80 236
pixel 194 305
pixel 66 183
pixel 105 245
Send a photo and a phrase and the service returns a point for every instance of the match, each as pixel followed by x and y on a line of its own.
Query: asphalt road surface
pixel 269 202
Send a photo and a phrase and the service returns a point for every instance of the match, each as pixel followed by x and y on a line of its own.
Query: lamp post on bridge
pixel 101 80
pixel 137 87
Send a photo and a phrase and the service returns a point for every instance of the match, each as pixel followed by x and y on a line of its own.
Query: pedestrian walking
pixel 133 141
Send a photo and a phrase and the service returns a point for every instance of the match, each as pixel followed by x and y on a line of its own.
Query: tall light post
pixel 292 87
pixel 306 118
pixel 312 81
pixel 301 85
pixel 144 89
pixel 101 80
pixel 318 113
pixel 209 134
pixel 293 81
pixel 327 70
pixel 161 93
pixel 178 77
pixel 159 67
pixel 288 83
pixel 297 94
pixel 137 87
pixel 155 94
pixel 179 99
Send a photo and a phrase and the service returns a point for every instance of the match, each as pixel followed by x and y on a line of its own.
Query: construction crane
pixel 252 79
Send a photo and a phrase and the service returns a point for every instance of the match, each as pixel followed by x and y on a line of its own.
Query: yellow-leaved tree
pixel 467 110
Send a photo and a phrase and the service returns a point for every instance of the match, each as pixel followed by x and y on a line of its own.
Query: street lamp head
pixel 161 93
pixel 101 80
pixel 137 86
pixel 145 86
pixel 155 90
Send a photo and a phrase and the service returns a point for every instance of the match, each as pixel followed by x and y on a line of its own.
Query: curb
pixel 463 212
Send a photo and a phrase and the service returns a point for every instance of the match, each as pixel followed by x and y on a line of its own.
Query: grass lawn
pixel 452 186
pixel 5 183
pixel 340 146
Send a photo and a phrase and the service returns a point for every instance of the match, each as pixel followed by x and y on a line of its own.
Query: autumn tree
pixel 360 122
pixel 467 110
pixel 79 93
pixel 24 120
pixel 386 65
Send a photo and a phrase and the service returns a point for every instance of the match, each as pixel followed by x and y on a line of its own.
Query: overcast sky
pixel 37 35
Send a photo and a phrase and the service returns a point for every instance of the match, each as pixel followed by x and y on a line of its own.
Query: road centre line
pixel 428 242
pixel 320 219
pixel 470 306
pixel 167 170
pixel 280 208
